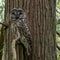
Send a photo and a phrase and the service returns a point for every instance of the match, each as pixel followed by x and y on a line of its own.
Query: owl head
pixel 17 13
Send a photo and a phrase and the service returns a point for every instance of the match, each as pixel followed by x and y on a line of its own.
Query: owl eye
pixel 20 12
pixel 13 13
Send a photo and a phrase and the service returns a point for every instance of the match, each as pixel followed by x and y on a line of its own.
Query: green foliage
pixel 58 25
pixel 2 8
pixel 58 3
pixel 1 50
pixel 58 22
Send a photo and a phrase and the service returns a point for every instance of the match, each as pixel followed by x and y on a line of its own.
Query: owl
pixel 20 31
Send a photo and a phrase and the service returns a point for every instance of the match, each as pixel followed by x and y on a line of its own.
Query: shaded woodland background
pixel 35 17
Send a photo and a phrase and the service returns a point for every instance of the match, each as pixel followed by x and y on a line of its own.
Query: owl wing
pixel 27 38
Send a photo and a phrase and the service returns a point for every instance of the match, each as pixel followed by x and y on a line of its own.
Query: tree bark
pixel 1 42
pixel 41 20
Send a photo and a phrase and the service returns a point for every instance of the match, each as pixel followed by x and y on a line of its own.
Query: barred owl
pixel 20 31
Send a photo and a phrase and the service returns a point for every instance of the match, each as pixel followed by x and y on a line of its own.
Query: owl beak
pixel 17 17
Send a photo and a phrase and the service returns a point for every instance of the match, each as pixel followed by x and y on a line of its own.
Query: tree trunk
pixel 41 20
pixel 1 42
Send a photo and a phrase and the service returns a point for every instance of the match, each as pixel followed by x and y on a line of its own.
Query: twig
pixel 58 33
pixel 3 24
pixel 58 47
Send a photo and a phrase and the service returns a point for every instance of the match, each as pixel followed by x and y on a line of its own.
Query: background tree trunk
pixel 1 43
pixel 41 20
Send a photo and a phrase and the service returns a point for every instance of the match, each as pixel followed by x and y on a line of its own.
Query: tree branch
pixel 57 33
pixel 58 47
pixel 2 24
pixel 57 11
